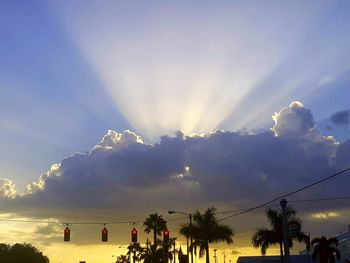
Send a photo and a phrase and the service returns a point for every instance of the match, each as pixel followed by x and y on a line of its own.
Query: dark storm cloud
pixel 341 118
pixel 122 174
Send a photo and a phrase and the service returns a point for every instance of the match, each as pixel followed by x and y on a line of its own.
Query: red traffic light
pixel 104 235
pixel 134 235
pixel 166 235
pixel 66 234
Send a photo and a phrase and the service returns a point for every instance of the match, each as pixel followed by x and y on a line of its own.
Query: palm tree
pixel 135 251
pixel 122 259
pixel 187 231
pixel 156 256
pixel 264 238
pixel 325 249
pixel 206 230
pixel 156 224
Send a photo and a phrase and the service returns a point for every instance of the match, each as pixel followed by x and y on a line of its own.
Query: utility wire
pixel 290 201
pixel 81 223
pixel 319 199
pixel 286 195
pixel 237 211
pixel 71 223
pixel 231 211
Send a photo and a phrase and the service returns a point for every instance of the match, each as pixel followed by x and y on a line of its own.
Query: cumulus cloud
pixel 338 125
pixel 7 188
pixel 293 120
pixel 122 174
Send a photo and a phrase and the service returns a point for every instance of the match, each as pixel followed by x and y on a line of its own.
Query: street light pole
pixel 285 230
pixel 190 217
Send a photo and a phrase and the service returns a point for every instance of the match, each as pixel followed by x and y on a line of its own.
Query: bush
pixel 19 253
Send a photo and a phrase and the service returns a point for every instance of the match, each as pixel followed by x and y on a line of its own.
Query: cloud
pixel 7 188
pixel 325 215
pixel 295 119
pixel 122 176
pixel 338 125
pixel 341 118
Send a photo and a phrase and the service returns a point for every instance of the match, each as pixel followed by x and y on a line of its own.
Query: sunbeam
pixel 206 75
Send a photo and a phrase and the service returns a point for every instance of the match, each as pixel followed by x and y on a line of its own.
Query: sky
pixel 112 110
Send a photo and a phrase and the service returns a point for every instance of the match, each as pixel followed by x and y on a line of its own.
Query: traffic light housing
pixel 66 234
pixel 134 235
pixel 166 235
pixel 104 235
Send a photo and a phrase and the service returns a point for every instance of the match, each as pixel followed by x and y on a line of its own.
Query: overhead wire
pixel 286 195
pixel 236 211
pixel 290 201
pixel 81 222
pixel 320 199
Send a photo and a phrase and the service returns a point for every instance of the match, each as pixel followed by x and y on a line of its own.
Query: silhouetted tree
pixel 122 259
pixel 264 238
pixel 156 224
pixel 150 254
pixel 325 249
pixel 206 230
pixel 5 253
pixel 135 251
pixel 187 231
pixel 20 253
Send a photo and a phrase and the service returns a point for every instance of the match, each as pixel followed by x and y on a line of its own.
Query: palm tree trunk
pixel 207 258
pixel 281 251
pixel 323 257
pixel 155 239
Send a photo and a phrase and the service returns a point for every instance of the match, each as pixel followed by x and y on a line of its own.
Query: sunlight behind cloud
pixel 167 69
pixel 325 215
pixel 164 76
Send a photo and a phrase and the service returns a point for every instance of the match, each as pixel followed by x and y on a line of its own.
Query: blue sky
pixel 72 70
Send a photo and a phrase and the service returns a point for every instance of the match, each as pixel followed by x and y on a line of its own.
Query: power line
pixel 73 223
pixel 81 223
pixel 288 194
pixel 237 211
pixel 290 201
pixel 231 211
pixel 320 199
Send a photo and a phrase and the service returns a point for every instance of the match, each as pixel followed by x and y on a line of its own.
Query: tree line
pixel 323 248
pixel 206 230
pixel 203 231
pixel 21 253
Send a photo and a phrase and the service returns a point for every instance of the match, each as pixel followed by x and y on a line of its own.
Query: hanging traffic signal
pixel 66 234
pixel 134 235
pixel 104 235
pixel 166 235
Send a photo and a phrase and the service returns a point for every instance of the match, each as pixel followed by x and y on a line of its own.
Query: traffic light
pixel 66 234
pixel 104 235
pixel 134 235
pixel 166 235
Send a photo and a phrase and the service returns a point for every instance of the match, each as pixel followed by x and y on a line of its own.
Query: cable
pixel 240 211
pixel 231 211
pixel 72 223
pixel 291 201
pixel 319 199
pixel 82 223
pixel 288 194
